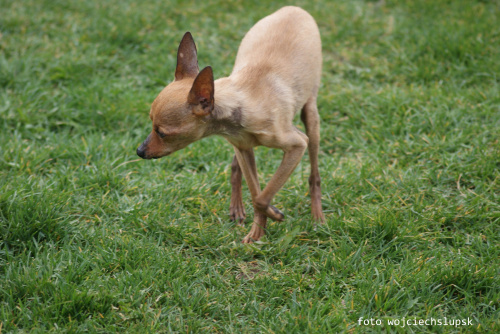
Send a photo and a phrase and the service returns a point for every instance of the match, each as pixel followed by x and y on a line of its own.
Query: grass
pixel 94 240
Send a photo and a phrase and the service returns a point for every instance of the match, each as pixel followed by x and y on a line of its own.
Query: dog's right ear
pixel 187 60
pixel 201 96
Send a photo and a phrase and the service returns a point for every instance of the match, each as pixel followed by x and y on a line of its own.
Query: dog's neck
pixel 226 118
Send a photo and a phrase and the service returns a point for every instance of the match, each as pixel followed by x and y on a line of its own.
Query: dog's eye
pixel 161 134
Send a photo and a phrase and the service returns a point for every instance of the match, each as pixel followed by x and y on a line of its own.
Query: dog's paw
pixel 248 239
pixel 268 210
pixel 318 216
pixel 273 213
pixel 237 214
pixel 253 236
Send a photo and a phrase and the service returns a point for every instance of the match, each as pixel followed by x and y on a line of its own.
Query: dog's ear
pixel 201 96
pixel 187 60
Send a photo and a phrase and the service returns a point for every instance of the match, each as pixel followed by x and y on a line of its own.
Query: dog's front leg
pixel 236 209
pixel 294 144
pixel 246 160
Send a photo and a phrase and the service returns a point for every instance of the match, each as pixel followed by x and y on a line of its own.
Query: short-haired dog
pixel 276 74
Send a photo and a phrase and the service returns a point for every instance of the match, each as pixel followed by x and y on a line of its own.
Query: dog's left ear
pixel 187 59
pixel 201 96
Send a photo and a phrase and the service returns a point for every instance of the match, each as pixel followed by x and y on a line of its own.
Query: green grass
pixel 94 240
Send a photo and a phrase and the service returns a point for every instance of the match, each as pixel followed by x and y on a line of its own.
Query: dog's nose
pixel 141 152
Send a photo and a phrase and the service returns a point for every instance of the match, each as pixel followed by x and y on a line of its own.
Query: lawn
pixel 94 239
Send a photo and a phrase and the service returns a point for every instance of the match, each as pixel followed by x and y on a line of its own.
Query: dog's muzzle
pixel 141 152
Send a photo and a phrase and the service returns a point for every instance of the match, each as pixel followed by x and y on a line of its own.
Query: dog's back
pixel 284 48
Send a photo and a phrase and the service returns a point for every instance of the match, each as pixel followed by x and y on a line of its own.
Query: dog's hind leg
pixel 236 209
pixel 310 117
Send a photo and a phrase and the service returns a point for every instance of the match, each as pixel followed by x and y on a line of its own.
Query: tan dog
pixel 277 73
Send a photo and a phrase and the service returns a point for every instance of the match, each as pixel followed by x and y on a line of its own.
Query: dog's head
pixel 178 112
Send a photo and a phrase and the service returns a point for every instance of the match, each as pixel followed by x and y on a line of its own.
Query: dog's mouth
pixel 149 157
pixel 143 152
pixel 145 157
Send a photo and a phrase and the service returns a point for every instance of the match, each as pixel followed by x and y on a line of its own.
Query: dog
pixel 276 74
